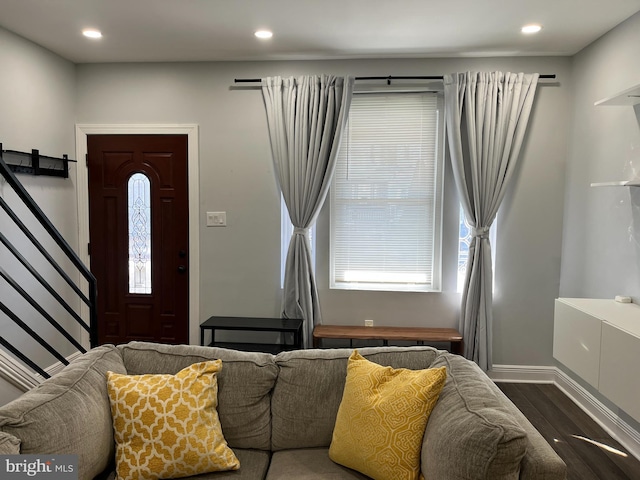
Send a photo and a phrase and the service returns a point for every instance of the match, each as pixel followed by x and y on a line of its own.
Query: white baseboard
pixel 615 426
pixel 602 415
pixel 523 374
pixel 16 374
pixel 22 378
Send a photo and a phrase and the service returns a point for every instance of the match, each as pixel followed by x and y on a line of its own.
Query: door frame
pixel 193 175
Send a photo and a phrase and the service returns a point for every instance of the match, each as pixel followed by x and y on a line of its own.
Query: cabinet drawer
pixel 619 379
pixel 576 341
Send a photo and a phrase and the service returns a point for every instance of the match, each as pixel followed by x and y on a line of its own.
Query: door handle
pixel 182 268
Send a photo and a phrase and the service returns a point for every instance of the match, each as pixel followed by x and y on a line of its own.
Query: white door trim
pixel 191 130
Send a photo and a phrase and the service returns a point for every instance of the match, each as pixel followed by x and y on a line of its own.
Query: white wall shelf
pixel 623 183
pixel 630 96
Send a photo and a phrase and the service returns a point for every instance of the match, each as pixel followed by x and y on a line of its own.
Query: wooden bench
pixel 415 334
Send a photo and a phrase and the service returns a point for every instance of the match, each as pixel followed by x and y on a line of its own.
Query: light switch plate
pixel 216 219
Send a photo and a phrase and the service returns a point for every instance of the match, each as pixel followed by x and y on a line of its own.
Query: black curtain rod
pixel 387 78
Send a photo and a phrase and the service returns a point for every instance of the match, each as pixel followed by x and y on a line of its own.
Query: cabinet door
pixel 619 379
pixel 576 341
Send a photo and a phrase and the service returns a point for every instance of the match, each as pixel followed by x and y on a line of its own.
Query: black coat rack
pixel 35 164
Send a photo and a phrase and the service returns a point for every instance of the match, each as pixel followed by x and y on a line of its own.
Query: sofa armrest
pixel 476 433
pixel 9 445
pixel 541 462
pixel 69 413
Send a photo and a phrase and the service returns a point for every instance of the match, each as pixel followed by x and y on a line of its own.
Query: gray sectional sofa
pixel 278 412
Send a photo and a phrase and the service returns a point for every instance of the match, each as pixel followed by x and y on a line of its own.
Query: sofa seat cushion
pixel 244 385
pixel 309 390
pixel 472 421
pixel 166 426
pixel 308 464
pixel 74 406
pixel 253 466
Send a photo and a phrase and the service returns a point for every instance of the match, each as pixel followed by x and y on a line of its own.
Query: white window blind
pixel 386 194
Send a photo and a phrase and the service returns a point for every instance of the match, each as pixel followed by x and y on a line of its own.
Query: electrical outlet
pixel 368 323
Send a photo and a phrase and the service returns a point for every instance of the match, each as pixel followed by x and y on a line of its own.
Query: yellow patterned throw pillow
pixel 382 418
pixel 167 426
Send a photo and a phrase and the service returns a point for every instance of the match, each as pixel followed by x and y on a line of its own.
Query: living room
pixel 556 236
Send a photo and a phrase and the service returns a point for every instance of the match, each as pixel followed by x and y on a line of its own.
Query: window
pixel 386 195
pixel 286 229
pixel 463 247
pixel 139 206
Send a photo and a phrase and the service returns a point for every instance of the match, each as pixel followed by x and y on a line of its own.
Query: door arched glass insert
pixel 139 221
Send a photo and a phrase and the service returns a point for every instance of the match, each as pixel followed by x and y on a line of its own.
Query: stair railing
pixel 88 299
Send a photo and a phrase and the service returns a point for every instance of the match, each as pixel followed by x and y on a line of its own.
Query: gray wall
pixel 601 238
pixel 37 101
pixel 42 96
pixel 601 246
pixel 240 264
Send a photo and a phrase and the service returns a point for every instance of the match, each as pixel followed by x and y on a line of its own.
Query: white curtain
pixel 486 118
pixel 306 117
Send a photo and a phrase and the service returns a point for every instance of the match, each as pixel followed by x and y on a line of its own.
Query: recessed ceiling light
pixel 263 34
pixel 92 33
pixel 533 28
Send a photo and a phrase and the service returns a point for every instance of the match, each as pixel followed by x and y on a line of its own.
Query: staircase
pixel 47 295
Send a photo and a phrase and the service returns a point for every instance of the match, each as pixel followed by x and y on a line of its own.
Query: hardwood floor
pixel 572 433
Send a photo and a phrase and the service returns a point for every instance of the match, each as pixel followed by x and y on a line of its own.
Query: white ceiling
pixel 205 30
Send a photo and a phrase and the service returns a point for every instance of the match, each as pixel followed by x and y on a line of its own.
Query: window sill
pixel 385 287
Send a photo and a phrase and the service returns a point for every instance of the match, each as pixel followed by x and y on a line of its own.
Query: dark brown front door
pixel 138 227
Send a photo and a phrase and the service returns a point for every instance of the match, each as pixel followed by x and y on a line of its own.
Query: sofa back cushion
pixel 309 389
pixel 69 413
pixel 244 385
pixel 471 433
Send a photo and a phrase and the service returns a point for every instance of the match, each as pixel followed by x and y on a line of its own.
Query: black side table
pixel 281 325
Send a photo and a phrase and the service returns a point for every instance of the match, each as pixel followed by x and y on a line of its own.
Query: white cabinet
pixel 620 381
pixel 576 340
pixel 599 340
